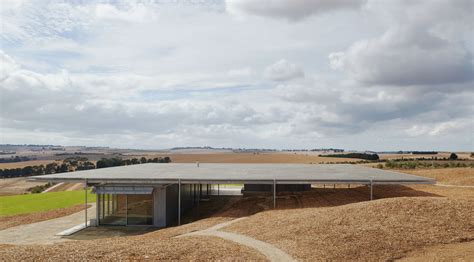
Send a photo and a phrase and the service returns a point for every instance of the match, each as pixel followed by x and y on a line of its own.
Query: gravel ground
pixel 450 252
pixel 159 245
pixel 328 224
pixel 377 230
pixel 24 219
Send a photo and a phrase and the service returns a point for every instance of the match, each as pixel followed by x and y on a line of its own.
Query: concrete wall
pixel 165 202
pixel 159 206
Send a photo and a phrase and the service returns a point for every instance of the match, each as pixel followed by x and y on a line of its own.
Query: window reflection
pixel 124 210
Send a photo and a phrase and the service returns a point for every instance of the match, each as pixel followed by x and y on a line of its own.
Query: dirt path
pixel 43 232
pixel 271 252
pixel 52 188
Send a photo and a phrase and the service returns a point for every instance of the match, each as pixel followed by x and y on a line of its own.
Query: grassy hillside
pixel 30 203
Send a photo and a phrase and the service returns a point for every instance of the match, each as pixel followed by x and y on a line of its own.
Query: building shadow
pixel 240 206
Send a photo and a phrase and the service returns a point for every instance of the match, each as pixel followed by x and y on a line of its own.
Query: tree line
pixel 16 159
pixel 365 156
pixel 75 164
pixel 116 161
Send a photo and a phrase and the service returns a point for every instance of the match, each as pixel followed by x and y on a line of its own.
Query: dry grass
pixel 451 176
pixel 23 219
pixel 462 155
pixel 377 230
pixel 25 163
pixel 253 158
pixel 16 186
pixel 68 187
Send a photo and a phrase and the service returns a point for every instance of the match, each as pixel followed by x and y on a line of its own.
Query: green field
pixel 30 203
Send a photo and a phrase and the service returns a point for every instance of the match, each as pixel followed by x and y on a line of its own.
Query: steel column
pixel 179 202
pixel 371 190
pixel 274 193
pixel 97 209
pixel 85 204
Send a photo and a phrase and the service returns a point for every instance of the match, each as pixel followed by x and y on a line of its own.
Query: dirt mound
pixel 152 246
pixel 377 230
pixel 383 229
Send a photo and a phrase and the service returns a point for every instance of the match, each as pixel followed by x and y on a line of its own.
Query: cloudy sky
pixel 353 74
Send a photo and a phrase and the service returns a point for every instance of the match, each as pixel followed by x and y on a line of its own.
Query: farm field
pixel 25 163
pixel 461 155
pixel 277 157
pixel 16 186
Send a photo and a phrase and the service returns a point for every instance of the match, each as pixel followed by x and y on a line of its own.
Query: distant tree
pixel 63 168
pixel 135 161
pixel 453 156
pixel 51 168
pixel 85 165
pixel 143 160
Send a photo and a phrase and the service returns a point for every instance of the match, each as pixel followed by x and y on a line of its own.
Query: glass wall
pixel 140 210
pixel 121 210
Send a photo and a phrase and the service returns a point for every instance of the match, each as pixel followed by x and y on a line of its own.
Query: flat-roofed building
pixel 157 194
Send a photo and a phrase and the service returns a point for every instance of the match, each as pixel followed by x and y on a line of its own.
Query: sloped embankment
pixel 376 230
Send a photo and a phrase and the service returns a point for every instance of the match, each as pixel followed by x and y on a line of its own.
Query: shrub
pixel 453 156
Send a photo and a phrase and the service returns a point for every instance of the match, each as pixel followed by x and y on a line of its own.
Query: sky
pixel 354 74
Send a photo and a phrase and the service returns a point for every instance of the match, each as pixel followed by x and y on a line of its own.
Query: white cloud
pixel 152 75
pixel 421 51
pixel 283 70
pixel 438 129
pixel 241 72
pixel 401 58
pixel 289 9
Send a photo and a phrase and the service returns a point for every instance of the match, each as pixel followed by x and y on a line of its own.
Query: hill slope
pixel 376 230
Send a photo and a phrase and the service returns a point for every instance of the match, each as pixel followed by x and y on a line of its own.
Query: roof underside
pixel 154 173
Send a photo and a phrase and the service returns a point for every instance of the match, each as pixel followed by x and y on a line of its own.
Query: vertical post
pixel 218 188
pixel 85 204
pixel 97 209
pixel 334 186
pixel 371 190
pixel 179 202
pixel 274 193
pixel 126 209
